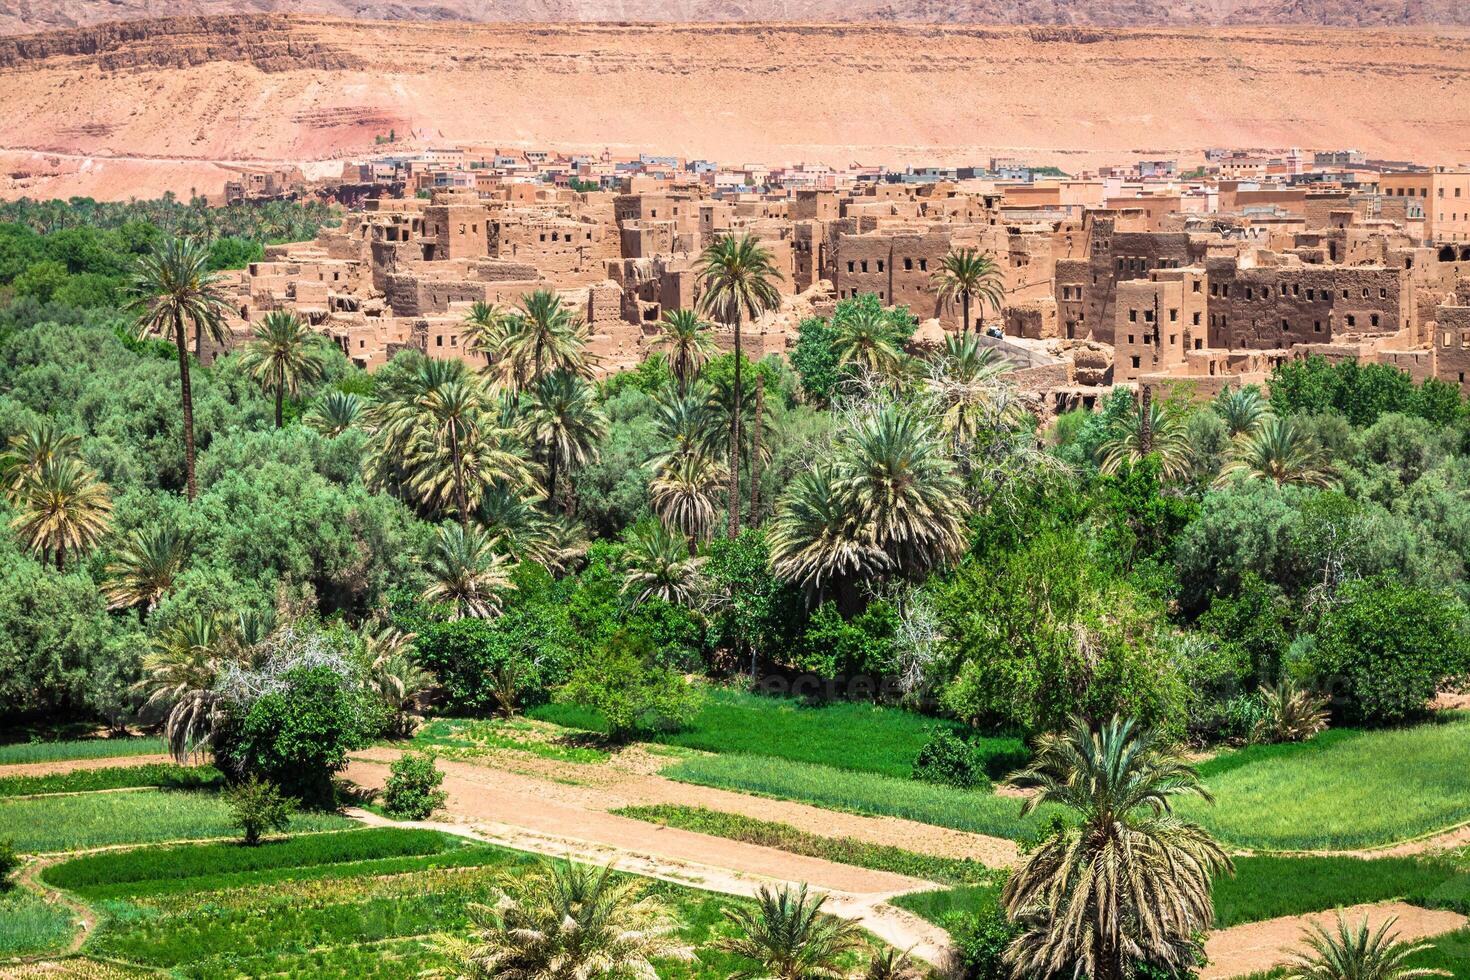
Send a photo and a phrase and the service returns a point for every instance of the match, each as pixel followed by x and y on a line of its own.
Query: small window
pixel 1132 316
pixel 923 265
pixel 852 267
pixel 1352 321
pixel 865 265
pixel 908 265
pixel 1373 319
pixel 439 341
pixel 1195 321
pixel 1135 360
pixel 880 265
pixel 1173 316
pixel 1196 285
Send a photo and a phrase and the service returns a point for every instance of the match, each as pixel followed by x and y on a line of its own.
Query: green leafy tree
pixel 412 791
pixel 623 682
pixel 1385 648
pixel 257 808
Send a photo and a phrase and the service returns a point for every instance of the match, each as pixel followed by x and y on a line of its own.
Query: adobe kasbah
pixel 735 489
pixel 1138 274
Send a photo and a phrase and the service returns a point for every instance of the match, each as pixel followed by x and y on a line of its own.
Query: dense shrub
pixel 834 646
pixel 1386 648
pixel 298 735
pixel 623 683
pixel 412 791
pixel 980 939
pixel 257 807
pixel 10 863
pixel 947 759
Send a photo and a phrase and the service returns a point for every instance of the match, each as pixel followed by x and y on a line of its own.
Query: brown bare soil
pixel 74 765
pixel 111 111
pixel 522 785
pixel 1260 946
pixel 32 15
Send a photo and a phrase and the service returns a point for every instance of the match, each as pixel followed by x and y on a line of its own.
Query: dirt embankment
pixel 267 87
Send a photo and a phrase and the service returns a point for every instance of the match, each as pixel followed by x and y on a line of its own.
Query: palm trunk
pixel 755 453
pixel 280 398
pixel 551 481
pixel 965 311
pixel 187 394
pixel 735 440
pixel 1146 421
pixel 460 501
pixel 61 557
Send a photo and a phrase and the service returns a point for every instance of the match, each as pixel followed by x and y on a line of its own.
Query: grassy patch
pixel 79 748
pixel 67 823
pixel 847 735
pixel 30 924
pixel 843 850
pixel 939 906
pixel 364 921
pixel 468 736
pixel 1230 759
pixel 164 774
pixel 204 860
pixel 1358 791
pixel 1265 887
pixel 859 792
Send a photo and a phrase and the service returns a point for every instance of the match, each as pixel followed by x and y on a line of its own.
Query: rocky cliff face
pixel 263 41
pixel 23 16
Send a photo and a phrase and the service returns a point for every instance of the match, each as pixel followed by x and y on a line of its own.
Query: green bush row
pixel 164 774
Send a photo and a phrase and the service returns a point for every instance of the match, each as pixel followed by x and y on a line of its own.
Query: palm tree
pixel 1243 410
pixel 789 935
pixel 523 530
pixel 283 354
pixel 867 340
pixel 335 412
pixel 1155 429
pixel 180 674
pixel 657 564
pixel 1127 883
pixel 563 422
pixel 1289 713
pixel 29 450
pixel 61 506
pixel 1279 450
pixel 739 281
pixel 684 494
pixel 688 342
pixel 891 964
pixel 145 568
pixel 817 543
pixel 968 274
pixel 465 571
pixel 544 335
pixel 689 424
pixel 894 476
pixel 173 285
pixel 484 330
pixel 395 677
pixel 568 921
pixel 967 388
pixel 1358 954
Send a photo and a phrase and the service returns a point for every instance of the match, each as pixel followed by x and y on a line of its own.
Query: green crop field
pixel 81 748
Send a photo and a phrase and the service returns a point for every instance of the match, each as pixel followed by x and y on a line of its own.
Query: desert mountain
pixel 21 16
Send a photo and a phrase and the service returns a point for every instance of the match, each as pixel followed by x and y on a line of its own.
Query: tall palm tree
pixel 1357 954
pixel 172 286
pixel 739 279
pixel 1243 410
pixel 568 921
pixel 180 674
pixel 484 330
pixel 789 935
pixel 688 342
pixel 145 568
pixel 1153 429
pixel 1279 450
pixel 968 274
pixel 544 335
pixel 30 449
pixel 395 677
pixel 465 572
pixel 658 565
pixel 867 340
pixel 563 423
pixel 1127 883
pixel 688 424
pixel 283 354
pixel 62 506
pixel 335 412
pixel 816 540
pixel 685 495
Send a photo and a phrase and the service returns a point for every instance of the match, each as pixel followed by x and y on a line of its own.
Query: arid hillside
pixel 21 16
pixel 133 108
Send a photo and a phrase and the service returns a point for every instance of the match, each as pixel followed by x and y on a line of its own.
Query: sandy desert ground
pixel 130 109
